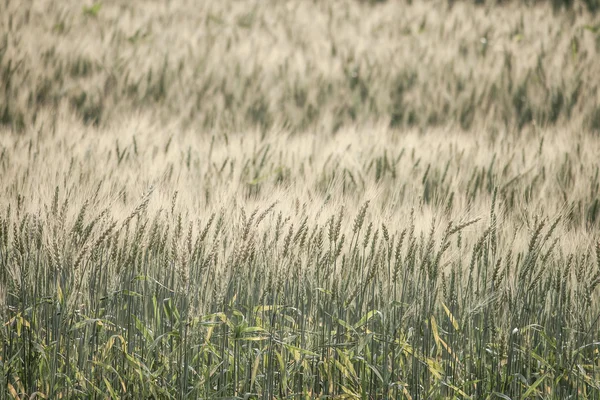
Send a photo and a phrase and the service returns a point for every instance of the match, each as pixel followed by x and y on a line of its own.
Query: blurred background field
pixel 300 199
pixel 299 65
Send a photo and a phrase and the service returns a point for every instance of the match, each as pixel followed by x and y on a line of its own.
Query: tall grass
pixel 266 266
pixel 358 199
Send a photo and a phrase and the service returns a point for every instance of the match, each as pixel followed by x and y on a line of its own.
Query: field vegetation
pixel 296 199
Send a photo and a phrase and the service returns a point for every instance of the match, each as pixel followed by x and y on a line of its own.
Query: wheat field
pixel 295 199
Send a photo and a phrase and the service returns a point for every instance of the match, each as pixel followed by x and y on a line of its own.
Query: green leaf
pixel 592 28
pixel 131 293
pixel 143 329
pixel 89 321
pixel 325 291
pixel 346 325
pixel 457 390
pixel 375 370
pixel 93 10
pixel 451 317
pixel 293 349
pixel 255 366
pixel 366 318
pixel 112 392
pixel 254 329
pixel 534 386
pixel 435 368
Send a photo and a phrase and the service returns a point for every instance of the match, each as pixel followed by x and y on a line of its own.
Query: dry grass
pixel 299 200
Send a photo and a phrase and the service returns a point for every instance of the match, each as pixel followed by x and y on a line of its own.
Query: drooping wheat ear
pixel 104 235
pixel 353 294
pixel 39 235
pixel 445 294
pixel 579 271
pixel 174 250
pixel 384 230
pixel 549 252
pixel 565 279
pixel 339 247
pixel 162 248
pixel 531 256
pixel 496 275
pixel 301 235
pixel 462 226
pixel 278 226
pixel 301 229
pixel 4 231
pixel 594 282
pixel 24 231
pixel 551 230
pixel 243 217
pixel 373 268
pixel 494 223
pixel 380 288
pixel 335 288
pixel 188 238
pixel 152 237
pixel 398 255
pixel 248 224
pixel 87 232
pixel 476 254
pixel 266 212
pixel 335 226
pixel 374 242
pixel 253 216
pixel 535 279
pixel 78 225
pixel 174 202
pixel 426 263
pixel 219 224
pixel 18 256
pixel 367 235
pixel 62 219
pixel 56 259
pixel 360 218
pixel 84 251
pixel 207 227
pixel 183 271
pixel 287 241
pixel 54 208
pixel 140 208
pixel 138 241
pixel 18 246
